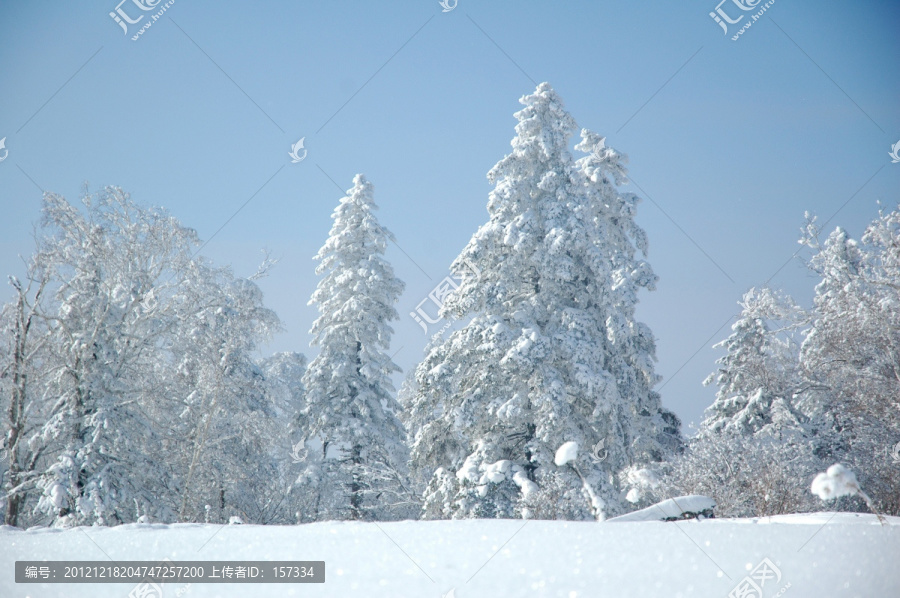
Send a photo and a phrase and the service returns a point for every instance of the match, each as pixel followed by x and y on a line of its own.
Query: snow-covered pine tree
pixel 758 376
pixel 753 446
pixel 349 420
pixel 552 352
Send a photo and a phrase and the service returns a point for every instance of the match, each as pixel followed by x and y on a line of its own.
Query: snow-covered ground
pixel 823 555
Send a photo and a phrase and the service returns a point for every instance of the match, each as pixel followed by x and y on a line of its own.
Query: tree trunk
pixel 356 486
pixel 17 404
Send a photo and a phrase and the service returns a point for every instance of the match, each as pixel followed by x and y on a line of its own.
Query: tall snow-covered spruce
pixel 551 352
pixel 349 422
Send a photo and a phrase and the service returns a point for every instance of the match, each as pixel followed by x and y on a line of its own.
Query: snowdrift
pixel 673 509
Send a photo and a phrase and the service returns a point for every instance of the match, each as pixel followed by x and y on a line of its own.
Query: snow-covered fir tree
pixel 551 352
pixel 349 421
pixel 757 377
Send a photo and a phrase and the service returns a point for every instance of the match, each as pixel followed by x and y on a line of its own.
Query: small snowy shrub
pixel 746 476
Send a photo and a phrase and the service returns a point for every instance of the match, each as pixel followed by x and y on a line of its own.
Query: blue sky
pixel 732 140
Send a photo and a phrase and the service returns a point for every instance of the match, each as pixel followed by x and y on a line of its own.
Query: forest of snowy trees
pixel 133 390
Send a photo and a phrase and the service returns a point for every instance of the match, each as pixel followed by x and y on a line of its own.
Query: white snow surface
pixel 819 554
pixel 671 507
pixel 567 453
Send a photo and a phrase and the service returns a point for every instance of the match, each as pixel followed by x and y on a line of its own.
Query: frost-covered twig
pixel 566 455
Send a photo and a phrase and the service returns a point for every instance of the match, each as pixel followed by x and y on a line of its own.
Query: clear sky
pixel 732 140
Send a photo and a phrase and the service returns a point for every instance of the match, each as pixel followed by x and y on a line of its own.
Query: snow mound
pixel 567 453
pixel 673 509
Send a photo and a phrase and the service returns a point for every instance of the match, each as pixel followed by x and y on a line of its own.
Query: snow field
pixel 818 555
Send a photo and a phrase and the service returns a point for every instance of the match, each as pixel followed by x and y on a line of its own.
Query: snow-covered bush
pixel 747 476
pixel 835 482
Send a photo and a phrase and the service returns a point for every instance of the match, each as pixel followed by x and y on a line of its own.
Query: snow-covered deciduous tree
pixel 349 420
pixel 551 352
pixel 111 266
pixel 231 435
pixel 785 411
pixel 283 374
pixel 852 353
pixel 143 400
pixel 20 361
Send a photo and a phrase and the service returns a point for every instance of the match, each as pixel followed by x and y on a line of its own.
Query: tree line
pixel 133 390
